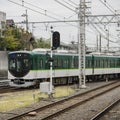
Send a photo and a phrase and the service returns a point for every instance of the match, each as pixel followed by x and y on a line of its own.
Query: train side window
pixel 41 63
pixel 97 63
pixel 90 63
pixel 118 62
pixel 55 63
pixel 75 62
pixel 101 63
pixel 86 63
pixel 60 63
pixel 94 63
pixel 72 62
pixel 65 63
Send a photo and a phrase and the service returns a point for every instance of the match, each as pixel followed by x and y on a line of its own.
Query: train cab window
pixel 26 63
pixel 12 64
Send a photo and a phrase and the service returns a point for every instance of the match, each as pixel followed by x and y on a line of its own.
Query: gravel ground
pixel 85 111
pixel 113 114
pixel 73 115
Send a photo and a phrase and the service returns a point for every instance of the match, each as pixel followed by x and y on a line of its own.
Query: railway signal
pixel 56 39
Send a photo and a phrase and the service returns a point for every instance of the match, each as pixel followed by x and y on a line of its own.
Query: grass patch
pixel 21 99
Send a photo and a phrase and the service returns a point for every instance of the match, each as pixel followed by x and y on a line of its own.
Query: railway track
pixel 8 89
pixel 61 106
pixel 105 110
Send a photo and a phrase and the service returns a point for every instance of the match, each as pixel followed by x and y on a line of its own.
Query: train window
pixel 55 63
pixel 101 63
pixel 118 63
pixel 111 63
pixel 72 62
pixel 106 61
pixel 26 63
pixel 19 66
pixel 97 63
pixel 67 63
pixel 86 63
pixel 41 63
pixel 90 63
pixel 12 64
pixel 60 63
pixel 115 62
pixel 94 63
pixel 75 62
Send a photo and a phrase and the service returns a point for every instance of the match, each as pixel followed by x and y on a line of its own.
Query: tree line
pixel 16 38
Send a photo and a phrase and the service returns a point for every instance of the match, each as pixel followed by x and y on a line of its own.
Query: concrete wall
pixel 3 63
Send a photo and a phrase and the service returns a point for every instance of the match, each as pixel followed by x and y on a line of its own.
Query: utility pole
pixel 81 17
pixel 26 21
pixel 51 67
pixel 107 32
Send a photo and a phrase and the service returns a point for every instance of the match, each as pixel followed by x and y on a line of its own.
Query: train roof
pixel 21 51
pixel 60 52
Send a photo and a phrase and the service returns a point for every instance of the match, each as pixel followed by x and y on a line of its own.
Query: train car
pixel 29 68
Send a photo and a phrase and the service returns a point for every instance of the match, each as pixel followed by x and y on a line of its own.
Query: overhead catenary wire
pixel 68 3
pixel 33 10
pixel 110 8
pixel 73 2
pixel 44 14
pixel 44 10
pixel 65 5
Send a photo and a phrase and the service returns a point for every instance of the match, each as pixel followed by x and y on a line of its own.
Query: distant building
pixel 2 23
pixel 10 23
pixel 68 47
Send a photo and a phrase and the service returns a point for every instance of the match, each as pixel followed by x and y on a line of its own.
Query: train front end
pixel 19 65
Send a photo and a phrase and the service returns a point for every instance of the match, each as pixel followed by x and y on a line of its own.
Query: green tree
pixel 2 43
pixel 11 41
pixel 43 43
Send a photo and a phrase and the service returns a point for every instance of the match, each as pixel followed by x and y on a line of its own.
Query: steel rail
pixel 103 112
pixel 16 117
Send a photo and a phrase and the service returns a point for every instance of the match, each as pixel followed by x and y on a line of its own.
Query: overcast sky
pixel 56 11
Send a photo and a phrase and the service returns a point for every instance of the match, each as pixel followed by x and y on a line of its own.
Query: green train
pixel 29 68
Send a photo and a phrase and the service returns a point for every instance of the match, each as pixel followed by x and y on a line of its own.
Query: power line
pixel 73 2
pixel 33 10
pixel 68 3
pixel 65 6
pixel 108 6
pixel 44 10
pixel 45 14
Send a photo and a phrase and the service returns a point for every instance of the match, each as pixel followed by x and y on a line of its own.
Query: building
pixel 2 23
pixel 10 23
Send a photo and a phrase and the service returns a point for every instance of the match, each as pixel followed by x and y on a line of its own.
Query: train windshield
pixel 19 64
